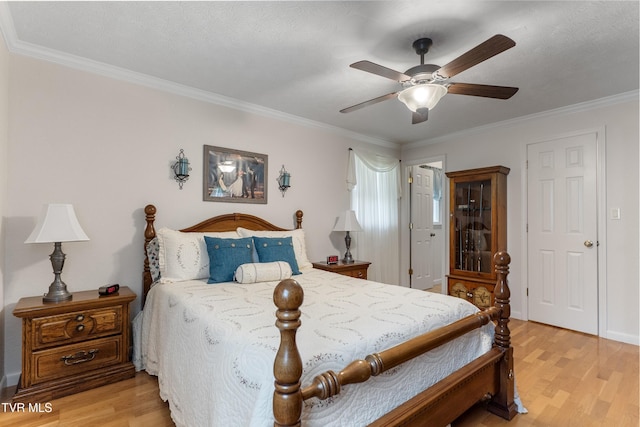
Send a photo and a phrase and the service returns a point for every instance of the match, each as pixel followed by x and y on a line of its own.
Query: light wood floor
pixel 564 378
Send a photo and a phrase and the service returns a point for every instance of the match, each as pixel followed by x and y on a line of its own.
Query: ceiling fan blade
pixel 482 52
pixel 379 70
pixel 369 102
pixel 487 91
pixel 420 116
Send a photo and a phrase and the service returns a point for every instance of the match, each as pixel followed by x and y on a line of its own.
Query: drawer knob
pixel 80 328
pixel 360 274
pixel 79 357
pixel 80 317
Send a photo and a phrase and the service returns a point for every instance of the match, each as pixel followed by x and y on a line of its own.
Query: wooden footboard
pixel 488 377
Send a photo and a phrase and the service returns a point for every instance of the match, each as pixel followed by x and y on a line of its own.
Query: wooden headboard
pixel 228 222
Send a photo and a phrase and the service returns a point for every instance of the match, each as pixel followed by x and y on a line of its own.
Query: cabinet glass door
pixel 472 216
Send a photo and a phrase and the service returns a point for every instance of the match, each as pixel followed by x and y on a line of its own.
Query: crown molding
pixel 633 95
pixel 18 47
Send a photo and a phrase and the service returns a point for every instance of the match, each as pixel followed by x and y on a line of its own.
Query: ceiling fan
pixel 425 84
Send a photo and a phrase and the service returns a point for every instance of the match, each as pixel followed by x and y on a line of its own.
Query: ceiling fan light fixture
pixel 425 95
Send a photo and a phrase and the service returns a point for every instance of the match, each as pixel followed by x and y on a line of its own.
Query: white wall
pixel 4 142
pixel 106 146
pixel 505 145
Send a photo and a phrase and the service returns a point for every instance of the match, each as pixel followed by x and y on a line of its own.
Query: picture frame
pixel 234 176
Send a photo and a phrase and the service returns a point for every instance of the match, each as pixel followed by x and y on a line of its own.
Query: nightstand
pixel 73 345
pixel 356 269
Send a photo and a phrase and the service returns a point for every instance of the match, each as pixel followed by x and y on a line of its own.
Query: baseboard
pixel 517 315
pixel 12 379
pixel 622 337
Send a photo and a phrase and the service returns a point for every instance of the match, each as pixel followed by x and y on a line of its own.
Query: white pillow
pixel 297 236
pixel 262 272
pixel 183 256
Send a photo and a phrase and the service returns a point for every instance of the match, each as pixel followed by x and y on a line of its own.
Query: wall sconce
pixel 181 168
pixel 284 180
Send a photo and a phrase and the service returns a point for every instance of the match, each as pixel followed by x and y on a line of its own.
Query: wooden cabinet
pixel 477 230
pixel 73 345
pixel 355 269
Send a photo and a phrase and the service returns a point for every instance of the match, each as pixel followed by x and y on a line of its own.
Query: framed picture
pixel 234 175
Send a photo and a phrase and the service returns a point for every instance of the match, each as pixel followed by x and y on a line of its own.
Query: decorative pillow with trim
pixel 262 272
pixel 272 249
pixel 183 256
pixel 226 255
pixel 297 236
pixel 153 254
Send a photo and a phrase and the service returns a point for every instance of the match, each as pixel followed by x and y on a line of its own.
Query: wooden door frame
pixel 601 221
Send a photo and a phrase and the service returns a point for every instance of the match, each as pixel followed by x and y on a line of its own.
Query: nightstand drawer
pixel 76 326
pixel 72 359
pixel 357 269
pixel 360 273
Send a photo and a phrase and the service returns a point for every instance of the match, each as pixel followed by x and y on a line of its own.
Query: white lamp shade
pixel 347 221
pixel 424 95
pixel 58 223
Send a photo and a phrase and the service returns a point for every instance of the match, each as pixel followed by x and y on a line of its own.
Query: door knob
pixel 588 243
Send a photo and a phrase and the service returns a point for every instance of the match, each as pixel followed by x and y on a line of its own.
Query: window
pixel 375 183
pixel 437 196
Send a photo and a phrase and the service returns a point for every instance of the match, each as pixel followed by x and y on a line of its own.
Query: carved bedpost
pixel 287 368
pixel 502 295
pixel 149 234
pixel 298 219
pixel 502 403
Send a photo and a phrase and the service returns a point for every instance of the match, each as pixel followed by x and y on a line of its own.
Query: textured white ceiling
pixel 293 57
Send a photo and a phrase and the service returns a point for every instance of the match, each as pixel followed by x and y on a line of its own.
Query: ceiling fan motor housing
pixel 422 73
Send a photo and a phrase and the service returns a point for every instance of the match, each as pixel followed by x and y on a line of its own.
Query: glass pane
pixel 472 216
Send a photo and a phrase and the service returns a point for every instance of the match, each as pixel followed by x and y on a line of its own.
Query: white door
pixel 421 227
pixel 562 233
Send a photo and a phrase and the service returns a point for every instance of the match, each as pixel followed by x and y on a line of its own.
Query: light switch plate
pixel 615 213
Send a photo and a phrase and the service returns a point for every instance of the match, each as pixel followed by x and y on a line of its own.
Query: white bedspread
pixel 212 347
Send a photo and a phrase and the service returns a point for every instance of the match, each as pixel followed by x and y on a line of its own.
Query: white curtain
pixel 374 182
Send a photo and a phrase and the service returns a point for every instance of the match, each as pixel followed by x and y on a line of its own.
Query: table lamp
pixel 57 224
pixel 347 221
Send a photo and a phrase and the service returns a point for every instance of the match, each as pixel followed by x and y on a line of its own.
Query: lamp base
pixel 348 259
pixel 57 289
pixel 57 294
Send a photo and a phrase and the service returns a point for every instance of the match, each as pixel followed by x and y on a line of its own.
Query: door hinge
pixel 410 226
pixel 527 291
pixel 411 272
pixel 410 180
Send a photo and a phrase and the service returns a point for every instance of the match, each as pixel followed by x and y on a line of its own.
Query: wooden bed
pixel 489 378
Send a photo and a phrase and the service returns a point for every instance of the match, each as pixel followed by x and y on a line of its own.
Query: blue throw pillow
pixel 272 249
pixel 225 256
